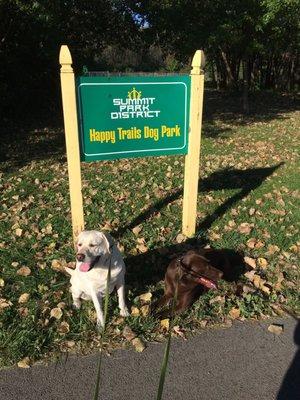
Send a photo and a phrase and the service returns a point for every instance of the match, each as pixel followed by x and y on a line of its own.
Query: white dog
pixel 96 253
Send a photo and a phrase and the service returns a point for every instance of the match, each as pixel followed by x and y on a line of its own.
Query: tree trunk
pixel 230 79
pixel 245 87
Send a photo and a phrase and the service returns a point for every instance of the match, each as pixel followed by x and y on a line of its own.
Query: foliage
pixel 256 38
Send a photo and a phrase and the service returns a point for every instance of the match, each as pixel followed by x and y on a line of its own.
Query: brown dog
pixel 193 272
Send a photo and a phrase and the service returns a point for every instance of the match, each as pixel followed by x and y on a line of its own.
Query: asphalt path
pixel 244 362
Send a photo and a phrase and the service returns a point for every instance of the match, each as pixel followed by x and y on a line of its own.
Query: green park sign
pixel 133 116
pixel 111 117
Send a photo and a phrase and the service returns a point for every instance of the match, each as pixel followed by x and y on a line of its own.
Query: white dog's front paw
pixel 124 312
pixel 76 305
pixel 100 323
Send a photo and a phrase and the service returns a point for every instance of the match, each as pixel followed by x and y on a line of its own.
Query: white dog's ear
pixel 105 243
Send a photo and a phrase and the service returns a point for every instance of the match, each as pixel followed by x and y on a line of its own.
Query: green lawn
pixel 248 202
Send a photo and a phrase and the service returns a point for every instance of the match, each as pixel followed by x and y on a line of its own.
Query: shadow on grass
pixel 149 268
pixel 23 142
pixel 290 387
pixel 226 107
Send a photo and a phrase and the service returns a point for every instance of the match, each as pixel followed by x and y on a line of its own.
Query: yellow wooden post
pixel 192 159
pixel 72 141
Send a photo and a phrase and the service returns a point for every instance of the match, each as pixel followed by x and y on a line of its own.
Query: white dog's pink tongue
pixel 84 267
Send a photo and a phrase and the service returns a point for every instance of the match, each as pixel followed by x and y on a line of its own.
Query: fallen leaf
pixel 257 281
pixel 252 211
pixel 248 289
pixel 135 311
pixel 262 262
pixel 24 298
pixel 23 311
pixel 24 271
pixel 63 328
pixel 250 275
pixel 165 324
pixel 58 265
pixel 203 323
pixel 250 261
pixel 265 289
pixel 278 284
pixel 142 248
pixel 180 238
pixel 18 232
pixel 48 229
pixel 1 282
pixel 70 343
pixel 272 248
pixel 259 244
pixel 251 243
pixel 245 228
pixel 138 345
pixel 56 313
pixel 146 297
pixel 179 331
pixel 277 329
pixel 235 313
pixel 128 333
pixel 25 363
pixel 137 229
pixel 15 264
pixel 145 310
pixel 217 299
pixel 294 248
pixel 4 303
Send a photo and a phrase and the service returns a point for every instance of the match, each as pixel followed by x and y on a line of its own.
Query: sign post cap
pixel 65 55
pixel 198 59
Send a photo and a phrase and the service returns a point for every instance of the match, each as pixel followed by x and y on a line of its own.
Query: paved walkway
pixel 244 362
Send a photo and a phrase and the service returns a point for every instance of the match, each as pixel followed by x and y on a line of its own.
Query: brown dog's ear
pixel 179 270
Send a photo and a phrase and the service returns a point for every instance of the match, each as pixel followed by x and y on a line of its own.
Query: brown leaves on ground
pixel 25 363
pixel 255 243
pixel 145 297
pixel 179 332
pixel 258 282
pixel 250 261
pixel 165 324
pixel 262 262
pixel 128 333
pixel 24 271
pixel 235 313
pixel 59 265
pixel 135 312
pixel 23 298
pixel 4 304
pixel 141 246
pixel 277 329
pixel 245 228
pixel 138 345
pixel 137 229
pixel 63 328
pixel 180 238
pixel 131 336
pixel 56 313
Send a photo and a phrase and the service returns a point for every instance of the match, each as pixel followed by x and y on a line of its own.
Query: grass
pixel 249 175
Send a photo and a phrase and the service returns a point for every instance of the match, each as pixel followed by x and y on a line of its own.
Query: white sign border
pixel 130 84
